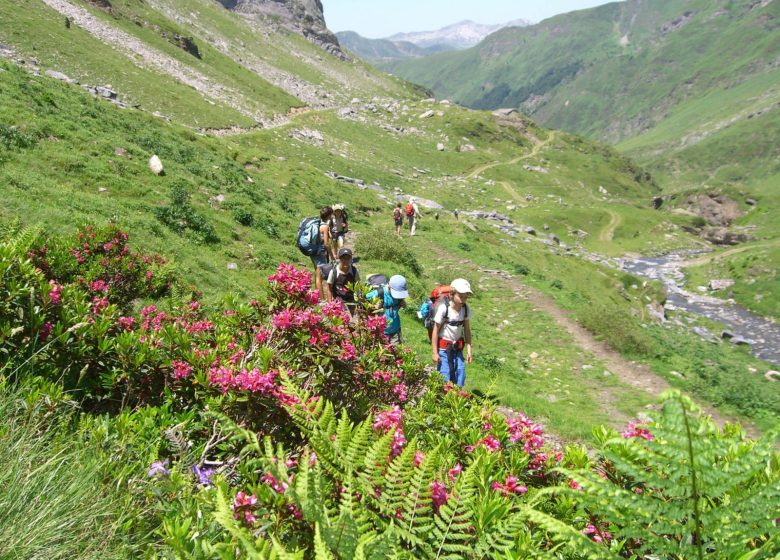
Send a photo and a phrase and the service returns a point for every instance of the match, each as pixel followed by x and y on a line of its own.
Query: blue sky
pixel 382 18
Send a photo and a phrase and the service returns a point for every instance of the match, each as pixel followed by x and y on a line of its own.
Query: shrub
pixel 243 217
pixel 381 245
pixel 182 218
pixel 622 333
pixel 522 269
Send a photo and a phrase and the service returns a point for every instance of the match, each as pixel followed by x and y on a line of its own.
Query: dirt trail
pixel 609 230
pixel 631 373
pixel 534 151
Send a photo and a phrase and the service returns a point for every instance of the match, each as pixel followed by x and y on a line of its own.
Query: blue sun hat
pixel 398 287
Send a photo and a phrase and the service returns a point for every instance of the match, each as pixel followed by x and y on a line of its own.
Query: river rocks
pixel 656 312
pixel 156 165
pixel 705 334
pixel 716 285
pixel 345 179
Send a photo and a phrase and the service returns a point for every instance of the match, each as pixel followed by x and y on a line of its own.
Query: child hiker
pixel 398 218
pixel 452 333
pixel 391 297
pixel 341 280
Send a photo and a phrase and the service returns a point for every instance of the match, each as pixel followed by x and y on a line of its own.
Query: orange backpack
pixel 409 210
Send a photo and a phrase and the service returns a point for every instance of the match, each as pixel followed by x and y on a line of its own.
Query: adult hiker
pixel 391 298
pixel 412 214
pixel 342 279
pixel 457 214
pixel 398 218
pixel 339 226
pixel 325 254
pixel 452 333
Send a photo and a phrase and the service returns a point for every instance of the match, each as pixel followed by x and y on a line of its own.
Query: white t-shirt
pixel 450 331
pixel 336 271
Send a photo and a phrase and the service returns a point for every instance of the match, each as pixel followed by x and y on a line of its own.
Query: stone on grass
pixel 156 165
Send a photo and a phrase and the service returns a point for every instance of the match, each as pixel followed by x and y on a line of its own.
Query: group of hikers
pixel 445 313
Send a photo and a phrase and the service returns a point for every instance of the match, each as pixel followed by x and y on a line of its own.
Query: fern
pixel 691 492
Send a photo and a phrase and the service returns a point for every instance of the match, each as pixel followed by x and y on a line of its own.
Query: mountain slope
pixel 659 77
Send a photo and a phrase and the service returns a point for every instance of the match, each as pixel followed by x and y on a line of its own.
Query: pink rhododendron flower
pixel 596 534
pixel 181 370
pixel 125 323
pixel 399 440
pixel 637 430
pixel 276 485
pixel 400 391
pixel 256 381
pixel 243 506
pixel 348 351
pixel 491 443
pixel 45 331
pixel 388 419
pixel 522 429
pixel 55 293
pixel 99 286
pixel 453 473
pixel 510 486
pixel 262 336
pixel 293 281
pixel 376 323
pixel 439 494
pixel 574 485
pixel 99 304
pixel 419 457
pixel 194 305
pixel 222 377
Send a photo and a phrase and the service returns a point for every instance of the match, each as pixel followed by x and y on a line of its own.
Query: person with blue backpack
pixel 313 238
pixel 451 333
pixel 391 297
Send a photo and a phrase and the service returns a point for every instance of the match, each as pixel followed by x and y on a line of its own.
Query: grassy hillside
pixel 241 78
pixel 661 79
pixel 69 159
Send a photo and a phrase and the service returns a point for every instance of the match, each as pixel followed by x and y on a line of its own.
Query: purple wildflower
pixel 158 469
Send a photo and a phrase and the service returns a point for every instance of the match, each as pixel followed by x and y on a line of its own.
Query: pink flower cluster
pixel 453 473
pixel 439 495
pixel 181 370
pixel 391 420
pixel 522 429
pixel 293 281
pixel 55 293
pixel 489 442
pixel 276 485
pixel 510 486
pixel 598 535
pixel 253 380
pixel 243 506
pixel 637 430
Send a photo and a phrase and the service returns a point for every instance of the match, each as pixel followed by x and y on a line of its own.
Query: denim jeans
pixel 452 366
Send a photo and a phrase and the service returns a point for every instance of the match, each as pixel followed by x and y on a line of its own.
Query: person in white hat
pixel 452 333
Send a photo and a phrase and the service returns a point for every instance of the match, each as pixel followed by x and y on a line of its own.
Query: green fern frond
pixel 321 550
pixel 564 533
pixel 19 241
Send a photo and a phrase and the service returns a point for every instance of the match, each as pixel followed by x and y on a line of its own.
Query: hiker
pixel 457 213
pixel 412 214
pixel 313 238
pixel 325 254
pixel 451 333
pixel 342 278
pixel 321 279
pixel 391 297
pixel 398 218
pixel 339 226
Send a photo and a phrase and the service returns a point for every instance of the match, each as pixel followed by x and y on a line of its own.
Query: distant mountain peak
pixel 460 35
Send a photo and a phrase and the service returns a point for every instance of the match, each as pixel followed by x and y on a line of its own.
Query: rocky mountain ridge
pixel 300 16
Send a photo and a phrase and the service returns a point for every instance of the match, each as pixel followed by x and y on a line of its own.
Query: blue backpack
pixel 308 238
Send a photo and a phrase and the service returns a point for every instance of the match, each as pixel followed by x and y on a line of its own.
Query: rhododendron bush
pixel 279 427
pixel 83 329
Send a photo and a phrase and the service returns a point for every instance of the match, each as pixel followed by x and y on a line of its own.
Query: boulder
pixel 716 285
pixel 105 91
pixel 60 76
pixel 427 114
pixel 554 238
pixel 440 147
pixel 156 165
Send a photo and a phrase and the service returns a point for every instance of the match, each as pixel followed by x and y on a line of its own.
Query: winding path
pixel 608 232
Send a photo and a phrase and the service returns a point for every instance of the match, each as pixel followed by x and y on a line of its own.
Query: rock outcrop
pixel 300 16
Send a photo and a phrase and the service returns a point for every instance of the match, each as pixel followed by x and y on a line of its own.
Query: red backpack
pixel 409 210
pixel 440 294
pixel 397 214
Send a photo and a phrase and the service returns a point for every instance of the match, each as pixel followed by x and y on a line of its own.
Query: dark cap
pixel 344 252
